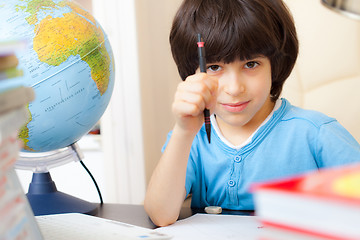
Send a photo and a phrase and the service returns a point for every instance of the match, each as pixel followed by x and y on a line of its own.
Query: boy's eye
pixel 251 64
pixel 214 68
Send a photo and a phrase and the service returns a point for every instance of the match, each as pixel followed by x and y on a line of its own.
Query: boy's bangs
pixel 241 33
pixel 236 46
pixel 247 40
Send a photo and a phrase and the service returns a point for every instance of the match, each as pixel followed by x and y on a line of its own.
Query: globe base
pixel 44 198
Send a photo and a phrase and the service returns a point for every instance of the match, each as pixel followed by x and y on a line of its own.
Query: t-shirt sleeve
pixel 336 146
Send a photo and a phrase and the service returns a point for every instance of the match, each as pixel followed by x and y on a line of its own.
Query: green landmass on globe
pixel 69 64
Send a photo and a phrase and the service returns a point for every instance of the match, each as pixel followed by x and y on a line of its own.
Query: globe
pixel 68 63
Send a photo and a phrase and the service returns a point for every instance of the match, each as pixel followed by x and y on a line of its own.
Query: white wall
pixel 139 117
pixel 158 74
pixel 121 124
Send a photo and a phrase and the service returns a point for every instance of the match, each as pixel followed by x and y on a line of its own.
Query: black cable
pixel 92 177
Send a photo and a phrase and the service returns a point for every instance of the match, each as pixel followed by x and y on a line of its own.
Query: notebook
pixel 77 226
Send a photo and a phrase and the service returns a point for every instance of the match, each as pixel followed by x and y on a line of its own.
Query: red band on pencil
pixel 200 44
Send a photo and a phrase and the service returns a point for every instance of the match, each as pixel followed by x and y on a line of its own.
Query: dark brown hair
pixel 235 29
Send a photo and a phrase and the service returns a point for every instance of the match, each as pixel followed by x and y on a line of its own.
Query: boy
pixel 251 48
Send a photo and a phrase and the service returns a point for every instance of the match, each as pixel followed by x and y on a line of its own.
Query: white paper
pixel 211 227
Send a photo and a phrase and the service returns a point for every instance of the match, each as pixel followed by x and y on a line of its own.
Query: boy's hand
pixel 197 92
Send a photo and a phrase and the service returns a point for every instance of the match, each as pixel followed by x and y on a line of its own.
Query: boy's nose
pixel 234 85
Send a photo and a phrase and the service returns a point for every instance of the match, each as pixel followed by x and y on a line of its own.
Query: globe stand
pixel 44 198
pixel 43 195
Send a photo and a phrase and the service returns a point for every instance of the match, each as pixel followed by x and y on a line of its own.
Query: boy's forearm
pixel 166 190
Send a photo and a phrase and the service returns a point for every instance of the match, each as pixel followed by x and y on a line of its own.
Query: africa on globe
pixel 69 64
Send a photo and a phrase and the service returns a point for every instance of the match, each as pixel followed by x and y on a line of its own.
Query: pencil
pixel 202 63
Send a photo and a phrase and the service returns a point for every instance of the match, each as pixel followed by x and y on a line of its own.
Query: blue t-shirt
pixel 292 141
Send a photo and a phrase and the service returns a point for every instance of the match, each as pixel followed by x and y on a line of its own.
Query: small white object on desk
pixel 213 209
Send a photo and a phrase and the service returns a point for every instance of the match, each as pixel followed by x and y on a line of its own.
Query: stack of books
pixel 14 207
pixel 324 204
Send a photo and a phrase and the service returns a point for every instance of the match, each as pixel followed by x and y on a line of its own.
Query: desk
pixel 136 215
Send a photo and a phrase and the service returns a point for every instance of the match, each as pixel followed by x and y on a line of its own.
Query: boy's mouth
pixel 235 107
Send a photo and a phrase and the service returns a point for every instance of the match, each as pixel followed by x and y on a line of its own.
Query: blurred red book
pixel 325 203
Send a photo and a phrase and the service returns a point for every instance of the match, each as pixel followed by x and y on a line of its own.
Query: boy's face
pixel 244 92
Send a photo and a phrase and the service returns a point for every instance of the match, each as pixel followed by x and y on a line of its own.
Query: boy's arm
pixel 166 190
